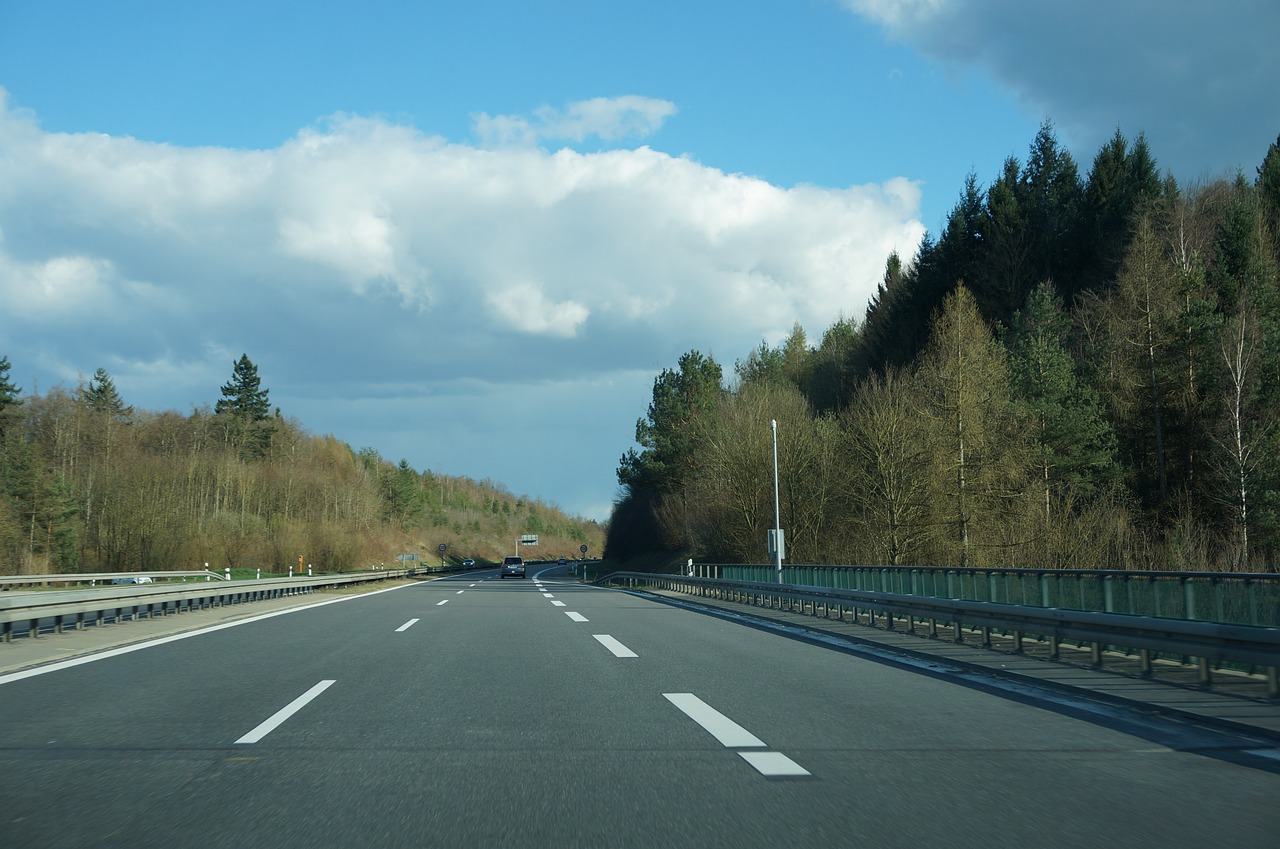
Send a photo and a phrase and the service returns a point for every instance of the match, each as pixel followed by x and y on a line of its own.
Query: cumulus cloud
pixel 607 118
pixel 370 269
pixel 1197 78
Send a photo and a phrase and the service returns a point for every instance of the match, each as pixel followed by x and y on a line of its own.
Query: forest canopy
pixel 1079 371
pixel 89 484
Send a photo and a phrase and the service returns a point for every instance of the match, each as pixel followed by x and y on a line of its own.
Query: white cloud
pixel 1197 78
pixel 526 307
pixel 607 118
pixel 370 264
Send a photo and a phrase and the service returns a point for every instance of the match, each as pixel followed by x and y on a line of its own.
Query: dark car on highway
pixel 512 567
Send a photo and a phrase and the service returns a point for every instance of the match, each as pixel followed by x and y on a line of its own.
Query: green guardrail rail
pixel 1226 597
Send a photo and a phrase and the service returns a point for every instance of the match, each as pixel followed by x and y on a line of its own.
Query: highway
pixel 477 712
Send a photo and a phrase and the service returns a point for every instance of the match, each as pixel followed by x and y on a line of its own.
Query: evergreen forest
pixel 89 484
pixel 1078 371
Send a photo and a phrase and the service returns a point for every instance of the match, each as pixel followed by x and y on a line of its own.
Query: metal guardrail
pixel 1207 642
pixel 136 601
pixel 1227 597
pixel 103 577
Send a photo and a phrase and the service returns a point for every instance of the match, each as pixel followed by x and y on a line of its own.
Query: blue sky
pixel 475 232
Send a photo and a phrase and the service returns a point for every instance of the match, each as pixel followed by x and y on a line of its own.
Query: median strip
pixel 284 713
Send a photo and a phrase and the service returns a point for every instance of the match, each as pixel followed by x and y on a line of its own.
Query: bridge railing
pixel 1226 597
pixel 1204 642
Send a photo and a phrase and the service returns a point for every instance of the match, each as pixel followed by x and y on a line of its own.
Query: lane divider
pixel 285 712
pixel 618 649
pixel 733 736
pixel 576 617
pixel 445 601
pixel 406 626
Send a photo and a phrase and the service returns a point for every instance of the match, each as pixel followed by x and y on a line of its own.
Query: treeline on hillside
pixel 89 484
pixel 1078 373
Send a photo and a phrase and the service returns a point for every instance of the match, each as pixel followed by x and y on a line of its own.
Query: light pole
pixel 776 544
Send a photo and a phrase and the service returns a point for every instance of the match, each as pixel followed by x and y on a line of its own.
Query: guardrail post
pixel 33 628
pixel 1095 654
pixel 1273 682
pixel 1205 675
pixel 1144 662
pixel 1017 642
pixel 1053 648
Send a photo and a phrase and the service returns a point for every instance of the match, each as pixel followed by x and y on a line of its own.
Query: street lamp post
pixel 776 544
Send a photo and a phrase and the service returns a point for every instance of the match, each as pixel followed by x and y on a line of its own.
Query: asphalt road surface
pixel 470 712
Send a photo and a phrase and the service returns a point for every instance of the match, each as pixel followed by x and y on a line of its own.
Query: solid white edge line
pixel 729 733
pixel 284 713
pixel 159 641
pixel 773 764
pixel 576 617
pixel 618 649
pixel 406 626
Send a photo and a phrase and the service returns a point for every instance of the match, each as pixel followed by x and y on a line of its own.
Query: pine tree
pixel 9 400
pixel 101 396
pixel 1072 446
pixel 1122 182
pixel 241 396
pixel 1268 186
pixel 1138 348
pixel 972 432
pixel 1050 196
pixel 831 385
pixel 247 411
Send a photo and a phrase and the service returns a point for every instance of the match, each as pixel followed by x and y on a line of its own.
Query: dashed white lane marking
pixel 618 649
pixel 724 729
pixel 773 764
pixel 576 617
pixel 548 595
pixel 406 626
pixel 284 713
pixel 445 601
pixel 473 585
pixel 460 592
pixel 558 603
